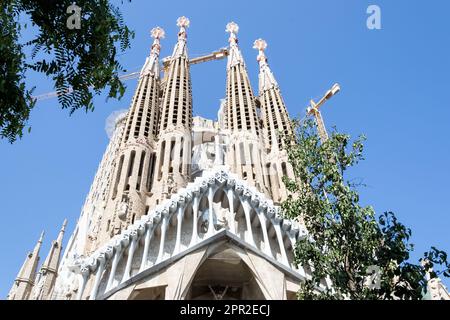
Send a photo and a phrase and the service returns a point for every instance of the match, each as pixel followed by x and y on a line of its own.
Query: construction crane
pixel 313 109
pixel 215 55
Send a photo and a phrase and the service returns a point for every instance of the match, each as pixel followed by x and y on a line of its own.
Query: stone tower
pixel 276 125
pixel 24 282
pixel 174 141
pixel 246 140
pixel 134 171
pixel 46 277
pixel 175 197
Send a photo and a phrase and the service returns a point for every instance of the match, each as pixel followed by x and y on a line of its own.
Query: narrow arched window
pixel 119 170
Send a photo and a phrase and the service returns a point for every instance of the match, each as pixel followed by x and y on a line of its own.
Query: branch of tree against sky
pixel 80 61
pixel 347 242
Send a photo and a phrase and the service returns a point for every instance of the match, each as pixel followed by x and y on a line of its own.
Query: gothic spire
pixel 48 272
pixel 242 118
pixel 151 63
pixel 266 78
pixel 143 115
pixel 241 107
pixel 61 232
pixel 276 120
pixel 235 55
pixel 51 262
pixel 133 170
pixel 177 99
pixel 24 282
pixel 180 48
pixel 174 144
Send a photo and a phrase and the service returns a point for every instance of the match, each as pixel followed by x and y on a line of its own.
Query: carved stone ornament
pixel 123 209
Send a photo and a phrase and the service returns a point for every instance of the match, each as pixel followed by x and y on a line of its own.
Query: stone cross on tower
pixel 157 33
pixel 233 29
pixel 183 23
pixel 235 55
pixel 260 45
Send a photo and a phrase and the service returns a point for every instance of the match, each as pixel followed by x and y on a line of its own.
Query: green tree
pixel 80 62
pixel 346 240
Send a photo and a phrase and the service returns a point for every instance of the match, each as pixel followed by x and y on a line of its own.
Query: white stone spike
pixel 262 221
pixel 260 45
pixel 180 48
pixel 151 65
pixel 194 238
pixel 148 238
pixel 158 33
pixel 232 28
pixel 180 214
pixel 235 56
pixel 183 22
pixel 249 233
pixel 131 249
pixel 211 229
pixel 98 276
pixel 266 77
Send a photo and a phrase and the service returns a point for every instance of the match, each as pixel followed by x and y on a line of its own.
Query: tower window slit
pixel 152 170
pixel 284 169
pixel 172 155
pixel 161 156
pixel 180 169
pixel 141 166
pixel 242 154
pixel 130 170
pixel 274 168
pixel 119 170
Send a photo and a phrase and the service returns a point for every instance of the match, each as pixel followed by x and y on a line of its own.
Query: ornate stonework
pixel 183 207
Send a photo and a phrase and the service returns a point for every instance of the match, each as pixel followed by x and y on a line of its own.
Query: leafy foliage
pixel 346 240
pixel 81 62
pixel 15 99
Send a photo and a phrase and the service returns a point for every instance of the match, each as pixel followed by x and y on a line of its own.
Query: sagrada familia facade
pixel 183 207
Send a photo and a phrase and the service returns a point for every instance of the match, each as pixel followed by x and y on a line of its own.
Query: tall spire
pixel 276 125
pixel 144 108
pixel 48 272
pixel 180 48
pixel 177 97
pixel 275 116
pixel 151 63
pixel 235 55
pixel 134 169
pixel 240 99
pixel 21 289
pixel 242 117
pixel 61 232
pixel 174 144
pixel 266 78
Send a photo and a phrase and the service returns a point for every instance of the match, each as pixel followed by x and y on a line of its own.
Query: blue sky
pixel 394 90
